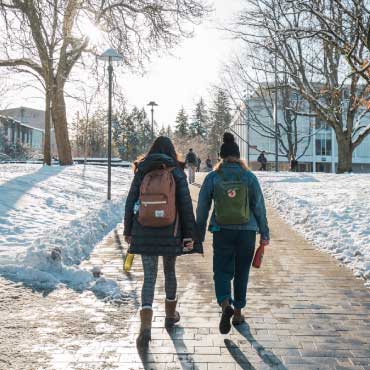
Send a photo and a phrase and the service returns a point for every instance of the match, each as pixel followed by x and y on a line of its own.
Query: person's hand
pixel 128 239
pixel 264 242
pixel 187 245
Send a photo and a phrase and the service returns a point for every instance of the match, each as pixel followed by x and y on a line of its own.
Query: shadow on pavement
pixel 238 355
pixel 267 356
pixel 147 360
pixel 186 360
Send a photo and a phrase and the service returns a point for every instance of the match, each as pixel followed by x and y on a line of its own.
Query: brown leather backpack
pixel 158 199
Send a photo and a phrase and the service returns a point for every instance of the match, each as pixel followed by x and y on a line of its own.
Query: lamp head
pixel 153 104
pixel 111 55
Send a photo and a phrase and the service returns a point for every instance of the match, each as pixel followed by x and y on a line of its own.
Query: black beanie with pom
pixel 229 148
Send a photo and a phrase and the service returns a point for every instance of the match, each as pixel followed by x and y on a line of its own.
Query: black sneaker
pixel 226 316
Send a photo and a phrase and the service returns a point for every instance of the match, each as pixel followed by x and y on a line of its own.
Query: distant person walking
pixel 159 221
pixel 209 164
pixel 239 211
pixel 191 163
pixel 199 161
pixel 294 165
pixel 263 161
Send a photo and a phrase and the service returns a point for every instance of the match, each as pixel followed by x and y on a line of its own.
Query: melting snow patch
pixel 51 219
pixel 330 210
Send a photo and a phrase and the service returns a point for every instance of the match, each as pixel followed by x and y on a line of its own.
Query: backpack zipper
pixel 154 202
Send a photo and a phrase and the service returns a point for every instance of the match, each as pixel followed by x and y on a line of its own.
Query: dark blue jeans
pixel 233 252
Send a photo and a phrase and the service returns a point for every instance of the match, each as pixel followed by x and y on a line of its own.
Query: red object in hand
pixel 258 257
pixel 264 242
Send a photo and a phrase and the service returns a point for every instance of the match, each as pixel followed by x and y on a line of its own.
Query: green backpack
pixel 231 201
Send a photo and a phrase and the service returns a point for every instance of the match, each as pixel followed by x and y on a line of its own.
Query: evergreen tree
pixel 144 130
pixel 220 119
pixel 132 134
pixel 169 132
pixel 162 131
pixel 182 124
pixel 198 127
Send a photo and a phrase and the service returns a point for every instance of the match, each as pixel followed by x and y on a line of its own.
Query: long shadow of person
pixel 147 359
pixel 267 356
pixel 238 355
pixel 185 358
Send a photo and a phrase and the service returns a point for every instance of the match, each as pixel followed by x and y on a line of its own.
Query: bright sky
pixel 171 81
pixel 182 79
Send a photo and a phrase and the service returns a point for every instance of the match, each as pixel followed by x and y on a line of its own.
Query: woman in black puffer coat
pixel 167 241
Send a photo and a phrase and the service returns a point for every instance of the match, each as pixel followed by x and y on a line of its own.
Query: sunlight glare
pixel 90 30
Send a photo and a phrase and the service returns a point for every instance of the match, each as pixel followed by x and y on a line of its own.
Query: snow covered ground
pixel 333 211
pixel 51 218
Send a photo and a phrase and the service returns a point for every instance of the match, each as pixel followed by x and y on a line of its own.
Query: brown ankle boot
pixel 172 316
pixel 238 317
pixel 142 341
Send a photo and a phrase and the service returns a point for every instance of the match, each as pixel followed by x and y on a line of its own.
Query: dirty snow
pixel 330 210
pixel 51 218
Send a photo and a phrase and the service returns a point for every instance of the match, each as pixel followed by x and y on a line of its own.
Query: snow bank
pixel 52 218
pixel 330 210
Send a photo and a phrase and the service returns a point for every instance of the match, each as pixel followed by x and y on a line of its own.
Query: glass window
pixel 328 146
pixel 323 142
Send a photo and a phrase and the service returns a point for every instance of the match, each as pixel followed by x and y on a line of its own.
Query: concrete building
pixel 26 125
pixel 316 152
pixel 14 131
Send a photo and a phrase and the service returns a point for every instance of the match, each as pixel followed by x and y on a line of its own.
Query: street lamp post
pixel 152 104
pixel 276 119
pixel 246 119
pixel 248 136
pixel 110 55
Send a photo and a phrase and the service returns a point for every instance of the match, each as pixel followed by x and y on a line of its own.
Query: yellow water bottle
pixel 128 262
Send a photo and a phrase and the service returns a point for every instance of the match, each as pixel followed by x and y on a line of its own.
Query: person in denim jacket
pixel 233 245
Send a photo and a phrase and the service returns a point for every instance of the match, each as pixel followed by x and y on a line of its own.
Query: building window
pixel 323 142
pixel 323 145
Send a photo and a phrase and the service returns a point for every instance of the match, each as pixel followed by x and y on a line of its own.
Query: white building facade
pixel 14 131
pixel 26 125
pixel 317 151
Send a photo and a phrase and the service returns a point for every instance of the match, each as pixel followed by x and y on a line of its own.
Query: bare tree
pixel 88 98
pixel 49 37
pixel 315 65
pixel 251 82
pixel 354 46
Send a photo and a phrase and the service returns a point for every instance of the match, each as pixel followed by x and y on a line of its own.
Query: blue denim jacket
pixel 257 221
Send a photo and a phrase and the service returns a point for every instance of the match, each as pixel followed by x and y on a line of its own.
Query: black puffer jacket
pixel 161 241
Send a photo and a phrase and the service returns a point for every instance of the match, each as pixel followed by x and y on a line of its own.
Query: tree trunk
pixel 59 115
pixel 344 154
pixel 47 152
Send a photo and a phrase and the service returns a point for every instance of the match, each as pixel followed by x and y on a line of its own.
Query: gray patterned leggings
pixel 150 266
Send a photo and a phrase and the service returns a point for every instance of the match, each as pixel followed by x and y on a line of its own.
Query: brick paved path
pixel 305 311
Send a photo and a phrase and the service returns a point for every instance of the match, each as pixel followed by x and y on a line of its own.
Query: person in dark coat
pixel 262 160
pixel 199 161
pixel 209 164
pixel 151 242
pixel 233 244
pixel 294 165
pixel 191 163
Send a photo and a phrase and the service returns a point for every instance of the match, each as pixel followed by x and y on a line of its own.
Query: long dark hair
pixel 162 145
